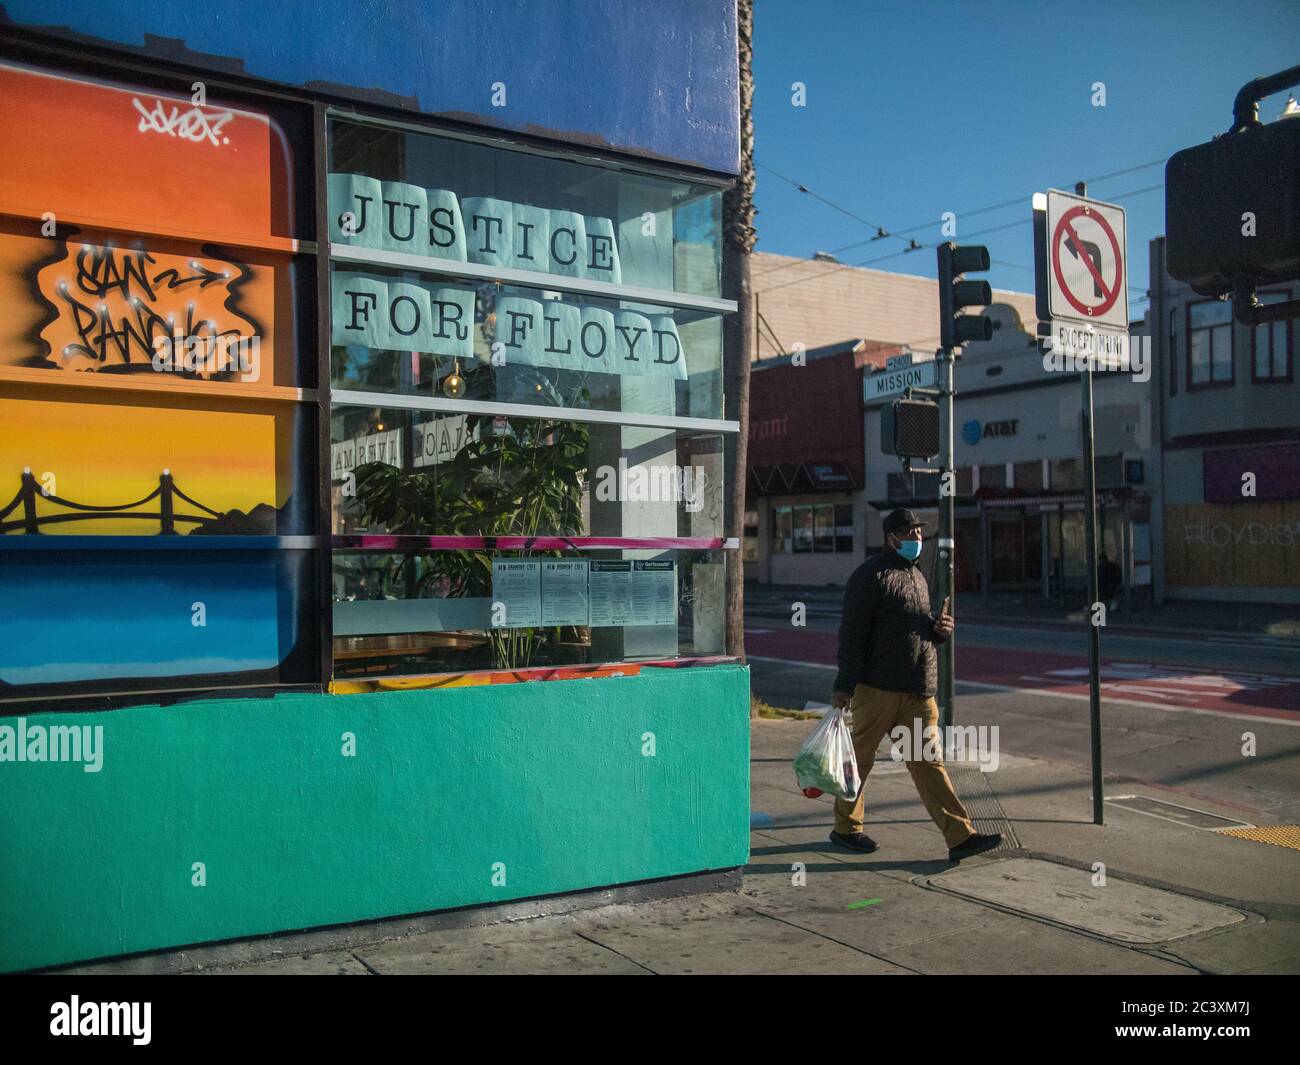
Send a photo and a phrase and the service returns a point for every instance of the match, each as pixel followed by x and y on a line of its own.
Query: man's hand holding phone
pixel 944 623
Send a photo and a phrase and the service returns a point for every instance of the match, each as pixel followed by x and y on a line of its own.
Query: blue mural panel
pixel 75 616
pixel 652 77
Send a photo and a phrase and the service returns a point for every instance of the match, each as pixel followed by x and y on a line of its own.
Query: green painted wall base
pixel 452 798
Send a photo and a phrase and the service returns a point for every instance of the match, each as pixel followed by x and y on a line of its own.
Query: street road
pixel 1178 710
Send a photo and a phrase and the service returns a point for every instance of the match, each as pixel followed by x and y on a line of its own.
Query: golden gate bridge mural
pixel 30 493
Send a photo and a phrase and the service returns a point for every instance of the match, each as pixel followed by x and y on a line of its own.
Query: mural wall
pixel 156 441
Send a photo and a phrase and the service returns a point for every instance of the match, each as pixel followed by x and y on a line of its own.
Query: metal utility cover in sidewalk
pixel 1121 911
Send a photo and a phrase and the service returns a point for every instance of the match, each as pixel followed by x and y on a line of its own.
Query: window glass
pixel 423 473
pixel 824 528
pixel 783 524
pixel 417 612
pixel 468 535
pixel 1029 476
pixel 993 476
pixel 1066 473
pixel 1271 354
pixel 844 527
pixel 442 197
pixel 1210 342
pixel 803 530
pixel 532 279
pixel 436 335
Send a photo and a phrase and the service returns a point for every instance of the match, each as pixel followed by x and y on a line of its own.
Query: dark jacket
pixel 887 634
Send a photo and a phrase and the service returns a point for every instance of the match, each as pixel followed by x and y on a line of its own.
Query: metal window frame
pixel 1288 350
pixel 505 275
pixel 330 253
pixel 1200 386
pixel 536 411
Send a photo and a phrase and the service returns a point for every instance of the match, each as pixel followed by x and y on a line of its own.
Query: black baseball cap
pixel 900 521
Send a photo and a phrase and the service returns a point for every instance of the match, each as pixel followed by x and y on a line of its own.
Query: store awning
pixel 794 478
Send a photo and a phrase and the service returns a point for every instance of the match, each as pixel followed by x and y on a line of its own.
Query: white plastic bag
pixel 826 762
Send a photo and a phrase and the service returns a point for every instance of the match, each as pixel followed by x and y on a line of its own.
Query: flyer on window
pixel 654 592
pixel 564 592
pixel 516 593
pixel 610 591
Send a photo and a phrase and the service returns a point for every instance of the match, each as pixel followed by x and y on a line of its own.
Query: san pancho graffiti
pixel 136 310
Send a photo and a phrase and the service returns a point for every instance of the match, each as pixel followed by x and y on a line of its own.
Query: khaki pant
pixel 875 714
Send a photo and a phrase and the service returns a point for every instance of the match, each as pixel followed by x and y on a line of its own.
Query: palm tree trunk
pixel 738 241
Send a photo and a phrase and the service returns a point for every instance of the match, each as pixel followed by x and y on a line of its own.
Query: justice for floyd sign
pixel 372 311
pixel 401 217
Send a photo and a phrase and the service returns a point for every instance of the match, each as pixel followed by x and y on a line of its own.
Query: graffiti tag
pixel 195 124
pixel 134 308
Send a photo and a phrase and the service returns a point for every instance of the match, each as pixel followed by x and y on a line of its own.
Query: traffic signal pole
pixel 946 539
pixel 955 329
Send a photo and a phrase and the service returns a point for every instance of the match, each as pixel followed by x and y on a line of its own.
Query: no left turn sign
pixel 1087 277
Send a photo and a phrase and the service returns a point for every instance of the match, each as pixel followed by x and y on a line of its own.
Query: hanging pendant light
pixel 453 385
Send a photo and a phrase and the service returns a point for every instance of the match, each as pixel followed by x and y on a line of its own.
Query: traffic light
pixel 909 428
pixel 1232 208
pixel 955 293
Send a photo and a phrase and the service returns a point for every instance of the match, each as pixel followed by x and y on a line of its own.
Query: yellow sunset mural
pixel 101 452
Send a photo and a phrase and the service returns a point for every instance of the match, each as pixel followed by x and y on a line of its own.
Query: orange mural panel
pixel 89 301
pixel 135 159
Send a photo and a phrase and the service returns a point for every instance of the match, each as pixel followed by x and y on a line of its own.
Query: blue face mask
pixel 910 550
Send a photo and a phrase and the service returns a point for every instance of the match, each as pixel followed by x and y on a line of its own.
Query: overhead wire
pixel 882 232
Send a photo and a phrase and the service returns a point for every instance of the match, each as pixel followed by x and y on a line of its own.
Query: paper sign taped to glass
pixel 593 592
pixel 374 311
pixel 402 217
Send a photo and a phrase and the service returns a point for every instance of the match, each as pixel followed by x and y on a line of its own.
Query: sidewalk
pixel 1177 899
pixel 1180 617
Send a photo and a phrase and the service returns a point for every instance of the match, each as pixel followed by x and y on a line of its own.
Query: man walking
pixel 887 678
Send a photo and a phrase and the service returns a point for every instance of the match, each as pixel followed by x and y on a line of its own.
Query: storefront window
pixel 526 444
pixel 824 529
pixel 783 529
pixel 993 476
pixel 475 271
pixel 844 527
pixel 1066 474
pixel 803 530
pixel 1029 476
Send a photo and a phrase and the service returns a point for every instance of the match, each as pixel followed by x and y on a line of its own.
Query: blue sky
pixel 914 109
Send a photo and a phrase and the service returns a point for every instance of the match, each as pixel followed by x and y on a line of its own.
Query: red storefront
pixel 805 517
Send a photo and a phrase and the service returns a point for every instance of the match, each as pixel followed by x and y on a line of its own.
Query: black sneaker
pixel 859 841
pixel 976 844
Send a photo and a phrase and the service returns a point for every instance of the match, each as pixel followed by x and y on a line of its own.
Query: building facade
pixel 806 304
pixel 806 510
pixel 362 493
pixel 1227 408
pixel 1019 481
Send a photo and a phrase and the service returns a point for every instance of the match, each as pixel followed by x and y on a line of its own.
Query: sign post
pixel 1080 251
pixel 947 543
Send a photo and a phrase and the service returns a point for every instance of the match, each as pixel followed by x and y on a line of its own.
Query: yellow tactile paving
pixel 1278 835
